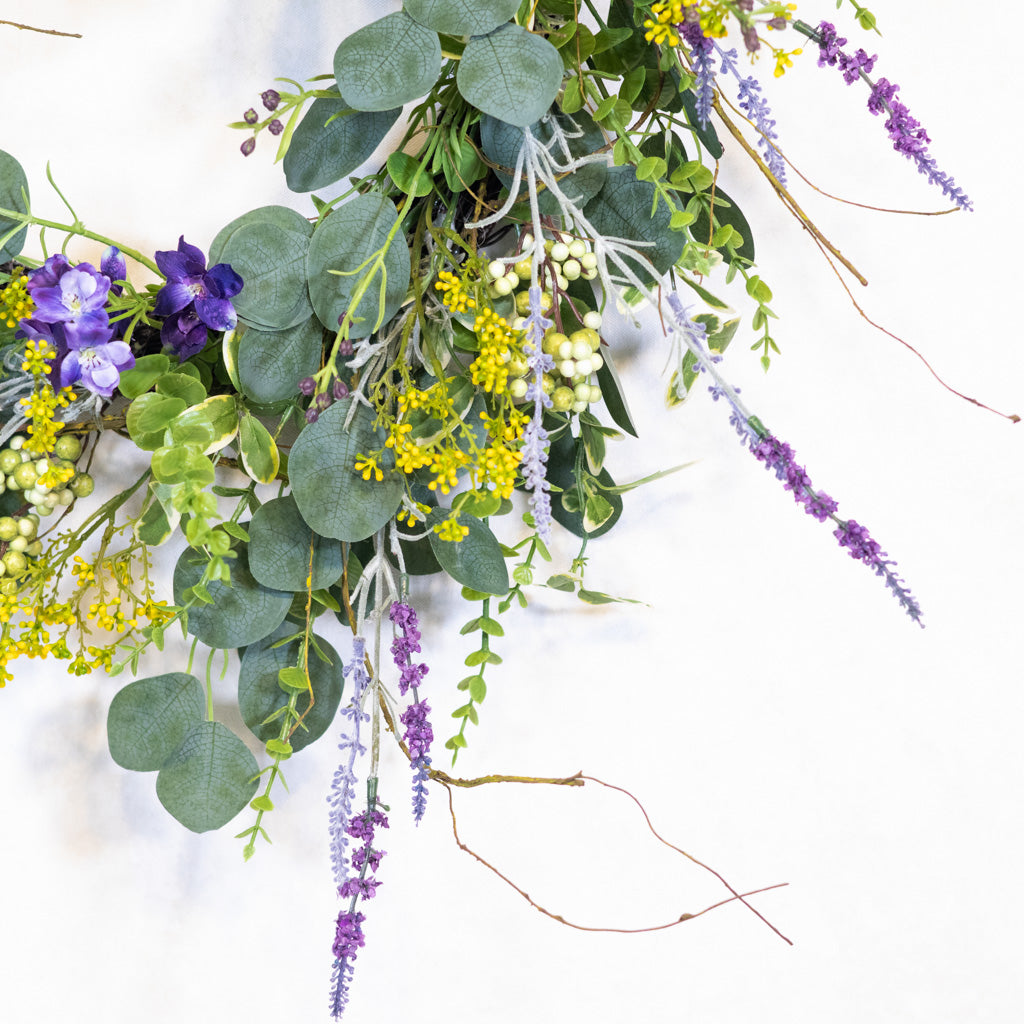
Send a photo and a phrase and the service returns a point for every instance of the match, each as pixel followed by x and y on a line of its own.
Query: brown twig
pixel 44 31
pixel 595 928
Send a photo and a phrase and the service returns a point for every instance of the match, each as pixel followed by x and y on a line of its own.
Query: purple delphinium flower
pixel 194 298
pixel 906 133
pixel 348 936
pixel 754 105
pixel 71 316
pixel 535 456
pixel 701 54
pixel 418 733
pixel 780 457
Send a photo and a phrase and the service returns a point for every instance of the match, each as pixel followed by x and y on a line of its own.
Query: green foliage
pixel 239 613
pixel 260 697
pixel 258 450
pixel 13 196
pixel 476 561
pixel 149 719
pixel 333 498
pixel 461 17
pixel 271 363
pixel 208 779
pixel 511 74
pixel 342 250
pixel 332 140
pixel 283 549
pixel 388 63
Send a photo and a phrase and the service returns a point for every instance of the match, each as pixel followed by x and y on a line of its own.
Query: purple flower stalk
pixel 703 61
pixel 535 456
pixel 907 135
pixel 418 732
pixel 194 298
pixel 348 934
pixel 780 457
pixel 754 105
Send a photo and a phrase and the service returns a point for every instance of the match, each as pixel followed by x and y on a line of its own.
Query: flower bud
pixel 271 98
pixel 248 146
pixel 275 127
pixel 250 116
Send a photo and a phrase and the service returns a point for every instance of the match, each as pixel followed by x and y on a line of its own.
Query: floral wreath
pixel 410 380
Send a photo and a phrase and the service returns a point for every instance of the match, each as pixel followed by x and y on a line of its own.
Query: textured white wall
pixel 772 707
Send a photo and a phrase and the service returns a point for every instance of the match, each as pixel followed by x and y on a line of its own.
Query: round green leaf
pixel 622 209
pixel 322 153
pixel 701 227
pixel 333 498
pixel 242 612
pixel 149 718
pixel 562 473
pixel 387 63
pixel 279 549
pixel 344 241
pixel 511 74
pixel 259 694
pixel 271 363
pixel 461 17
pixel 280 216
pixel 475 561
pixel 260 457
pixel 272 265
pixel 12 182
pixel 208 779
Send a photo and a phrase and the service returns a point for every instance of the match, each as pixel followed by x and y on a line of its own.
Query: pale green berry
pixel 82 486
pixel 553 342
pixel 42 510
pixel 563 281
pixel 502 287
pixel 27 527
pixel 522 303
pixel 65 497
pixel 562 399
pixel 513 279
pixel 596 361
pixel 593 320
pixel 16 442
pixel 8 528
pixel 580 347
pixel 559 252
pixel 519 323
pixel 547 383
pixel 565 350
pixel 18 544
pixel 9 461
pixel 577 247
pixel 35 549
pixel 588 261
pixel 584 367
pixel 517 388
pixel 566 367
pixel 496 270
pixel 523 269
pixel 571 269
pixel 517 366
pixel 68 447
pixel 15 563
pixel 25 476
pixel 595 393
pixel 582 392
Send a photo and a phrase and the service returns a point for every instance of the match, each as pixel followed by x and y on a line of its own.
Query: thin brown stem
pixel 43 31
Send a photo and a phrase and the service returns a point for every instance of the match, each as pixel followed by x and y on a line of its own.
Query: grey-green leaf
pixel 149 718
pixel 242 612
pixel 12 181
pixel 208 779
pixel 461 17
pixel 279 549
pixel 259 695
pixel 272 265
pixel 511 74
pixel 271 363
pixel 333 498
pixel 476 561
pixel 387 63
pixel 322 153
pixel 283 217
pixel 344 241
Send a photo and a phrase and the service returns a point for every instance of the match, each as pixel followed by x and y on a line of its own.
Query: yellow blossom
pixel 15 302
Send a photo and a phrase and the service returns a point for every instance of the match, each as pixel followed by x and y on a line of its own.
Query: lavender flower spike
pixel 535 457
pixel 418 732
pixel 703 62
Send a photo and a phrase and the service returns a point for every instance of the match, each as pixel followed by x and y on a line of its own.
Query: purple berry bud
pixel 275 127
pixel 345 347
pixel 312 415
pixel 307 385
pixel 271 98
pixel 322 401
pixel 251 117
pixel 340 390
pixel 248 146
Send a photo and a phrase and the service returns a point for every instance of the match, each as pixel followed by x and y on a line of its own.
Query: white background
pixel 773 708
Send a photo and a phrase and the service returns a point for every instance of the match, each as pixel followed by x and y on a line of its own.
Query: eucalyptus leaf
pixel 331 141
pixel 259 694
pixel 476 561
pixel 13 193
pixel 332 496
pixel 272 262
pixel 461 17
pixel 511 74
pixel 283 217
pixel 343 242
pixel 148 719
pixel 390 62
pixel 271 363
pixel 208 779
pixel 243 611
pixel 281 546
pixel 260 457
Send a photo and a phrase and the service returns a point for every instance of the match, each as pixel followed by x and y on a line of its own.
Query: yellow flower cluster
pixel 453 292
pixel 498 344
pixel 15 301
pixel 451 530
pixel 783 59
pixel 40 408
pixel 670 13
pixel 37 357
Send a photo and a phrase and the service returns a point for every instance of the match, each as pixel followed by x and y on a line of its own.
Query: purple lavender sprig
pixel 701 53
pixel 418 732
pixel 755 106
pixel 348 935
pixel 907 135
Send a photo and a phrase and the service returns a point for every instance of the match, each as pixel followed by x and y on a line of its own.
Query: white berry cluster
pixel 48 482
